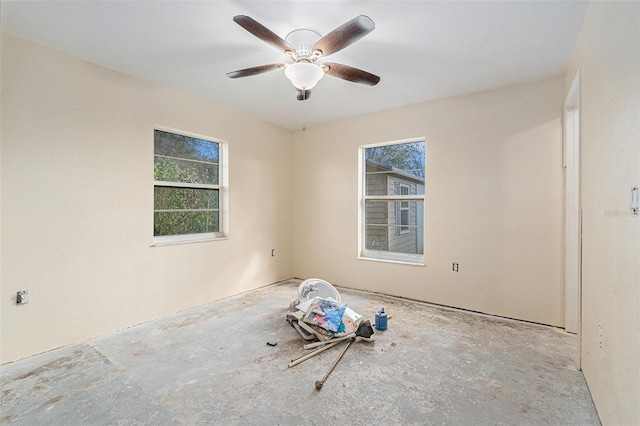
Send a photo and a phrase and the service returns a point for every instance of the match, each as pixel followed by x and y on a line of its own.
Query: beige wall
pixel 608 52
pixel 77 202
pixel 493 202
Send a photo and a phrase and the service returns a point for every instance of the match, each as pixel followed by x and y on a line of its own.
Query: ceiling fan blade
pixel 263 33
pixel 303 95
pixel 248 72
pixel 348 73
pixel 344 35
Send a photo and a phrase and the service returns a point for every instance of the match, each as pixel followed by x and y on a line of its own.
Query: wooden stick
pixel 303 358
pixel 326 342
pixel 320 383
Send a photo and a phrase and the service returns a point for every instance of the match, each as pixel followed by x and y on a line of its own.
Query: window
pixel 188 190
pixel 392 186
pixel 403 209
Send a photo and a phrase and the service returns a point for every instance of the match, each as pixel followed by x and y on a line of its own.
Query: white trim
pixel 413 197
pixel 387 225
pixel 572 216
pixel 361 200
pixel 184 210
pixel 223 187
pixel 185 185
pixel 393 257
pixel 169 240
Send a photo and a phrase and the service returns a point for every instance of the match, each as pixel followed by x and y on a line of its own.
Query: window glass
pixel 171 169
pixel 406 159
pixel 187 185
pixel 388 232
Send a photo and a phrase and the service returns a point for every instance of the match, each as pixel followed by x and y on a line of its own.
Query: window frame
pixel 222 187
pixel 413 259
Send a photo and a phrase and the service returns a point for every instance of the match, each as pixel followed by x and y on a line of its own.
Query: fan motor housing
pixel 303 40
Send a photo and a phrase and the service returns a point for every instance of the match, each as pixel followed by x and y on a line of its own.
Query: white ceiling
pixel 422 50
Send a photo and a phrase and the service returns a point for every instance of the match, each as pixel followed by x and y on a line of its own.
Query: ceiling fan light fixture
pixel 304 75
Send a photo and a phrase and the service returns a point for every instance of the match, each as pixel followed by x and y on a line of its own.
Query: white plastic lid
pixel 315 287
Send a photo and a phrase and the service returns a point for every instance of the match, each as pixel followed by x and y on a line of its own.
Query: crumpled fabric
pixel 326 314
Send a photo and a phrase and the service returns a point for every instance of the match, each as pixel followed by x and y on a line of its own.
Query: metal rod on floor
pixel 303 358
pixel 319 383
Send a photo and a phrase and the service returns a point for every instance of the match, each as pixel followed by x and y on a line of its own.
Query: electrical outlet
pixel 273 252
pixel 22 297
pixel 455 266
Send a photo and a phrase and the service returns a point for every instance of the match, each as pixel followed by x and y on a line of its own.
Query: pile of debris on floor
pixel 319 315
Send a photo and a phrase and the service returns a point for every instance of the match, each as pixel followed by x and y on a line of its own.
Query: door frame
pixel 573 213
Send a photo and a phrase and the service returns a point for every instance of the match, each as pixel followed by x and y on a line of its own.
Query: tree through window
pixel 187 185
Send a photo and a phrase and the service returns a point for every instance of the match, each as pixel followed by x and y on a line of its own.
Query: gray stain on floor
pixel 211 365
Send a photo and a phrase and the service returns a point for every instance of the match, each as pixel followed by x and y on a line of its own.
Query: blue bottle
pixel 381 320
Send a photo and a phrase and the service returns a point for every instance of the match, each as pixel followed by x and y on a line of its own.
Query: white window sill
pixel 186 239
pixel 390 257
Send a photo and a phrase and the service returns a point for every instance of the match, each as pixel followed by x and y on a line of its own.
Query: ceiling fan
pixel 304 47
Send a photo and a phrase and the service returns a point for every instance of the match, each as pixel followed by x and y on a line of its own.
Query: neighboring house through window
pixel 392 201
pixel 189 195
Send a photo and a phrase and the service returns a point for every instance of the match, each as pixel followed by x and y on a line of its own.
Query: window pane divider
pixel 393 197
pixel 184 210
pixel 395 171
pixel 381 225
pixel 186 185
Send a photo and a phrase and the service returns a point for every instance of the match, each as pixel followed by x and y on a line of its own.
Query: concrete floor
pixel 211 365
